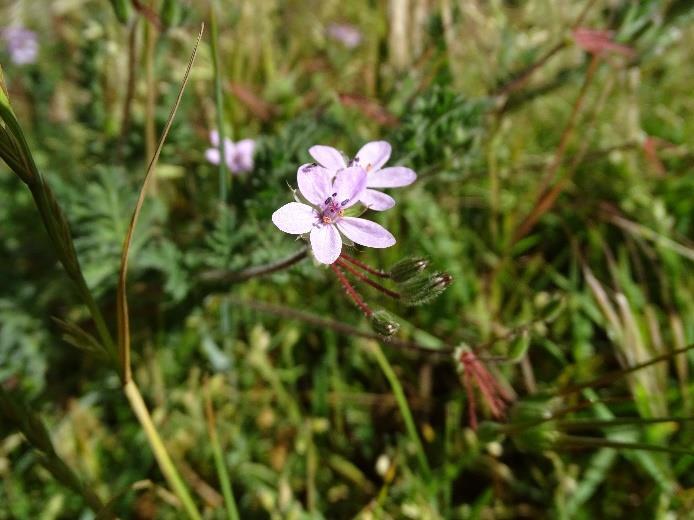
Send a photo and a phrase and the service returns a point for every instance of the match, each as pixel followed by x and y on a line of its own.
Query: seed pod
pixel 122 10
pixel 424 288
pixel 408 268
pixel 384 324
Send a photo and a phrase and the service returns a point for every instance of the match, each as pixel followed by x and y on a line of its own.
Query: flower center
pixel 332 209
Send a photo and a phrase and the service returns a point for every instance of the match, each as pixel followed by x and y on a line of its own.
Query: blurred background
pixel 554 185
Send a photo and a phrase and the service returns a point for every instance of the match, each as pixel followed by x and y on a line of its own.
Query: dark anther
pixel 344 202
pixel 328 200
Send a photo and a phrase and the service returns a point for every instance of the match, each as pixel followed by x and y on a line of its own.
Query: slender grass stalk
pixel 219 102
pixel 157 445
pixel 224 177
pixel 150 101
pixel 404 407
pixel 220 465
pixel 129 386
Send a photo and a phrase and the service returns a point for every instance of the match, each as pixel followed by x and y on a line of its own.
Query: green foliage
pixel 314 418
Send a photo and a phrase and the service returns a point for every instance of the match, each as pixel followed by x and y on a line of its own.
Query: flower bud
pixel 424 288
pixel 384 324
pixel 408 268
pixel 530 426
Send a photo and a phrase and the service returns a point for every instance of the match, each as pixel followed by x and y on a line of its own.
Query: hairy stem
pixel 351 291
pixel 220 277
pixel 443 351
pixel 365 267
pixel 368 281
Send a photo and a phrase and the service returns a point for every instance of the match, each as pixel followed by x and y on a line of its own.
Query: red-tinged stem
pixel 472 413
pixel 368 281
pixel 365 267
pixel 351 292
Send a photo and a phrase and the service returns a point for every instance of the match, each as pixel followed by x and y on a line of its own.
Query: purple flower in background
pixel 371 157
pixel 22 44
pixel 324 218
pixel 238 157
pixel 347 35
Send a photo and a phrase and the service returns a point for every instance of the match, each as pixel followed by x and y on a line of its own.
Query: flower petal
pixel 212 155
pixel 349 185
pixel 214 137
pixel 326 243
pixel 241 157
pixel 377 200
pixel 365 232
pixel 246 148
pixel 328 157
pixel 314 183
pixel 295 218
pixel 373 155
pixel 229 151
pixel 393 177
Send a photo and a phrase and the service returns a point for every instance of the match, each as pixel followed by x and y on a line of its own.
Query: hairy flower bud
pixel 424 288
pixel 408 268
pixel 383 323
pixel 532 427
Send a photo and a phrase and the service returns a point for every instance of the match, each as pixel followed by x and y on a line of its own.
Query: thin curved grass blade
pixel 121 295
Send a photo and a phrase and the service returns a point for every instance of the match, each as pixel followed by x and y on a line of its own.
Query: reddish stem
pixel 472 414
pixel 365 267
pixel 351 292
pixel 368 281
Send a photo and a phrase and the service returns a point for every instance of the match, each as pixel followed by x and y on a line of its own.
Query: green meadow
pixel 205 316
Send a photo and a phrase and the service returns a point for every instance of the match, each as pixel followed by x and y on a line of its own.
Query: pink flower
pixel 238 157
pixel 22 44
pixel 347 35
pixel 599 42
pixel 371 157
pixel 324 217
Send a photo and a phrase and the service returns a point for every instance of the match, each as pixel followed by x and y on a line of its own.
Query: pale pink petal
pixel 229 152
pixel 393 177
pixel 214 137
pixel 241 158
pixel 326 243
pixel 376 200
pixel 212 155
pixel 349 185
pixel 295 218
pixel 373 155
pixel 328 157
pixel 365 232
pixel 314 183
pixel 246 148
